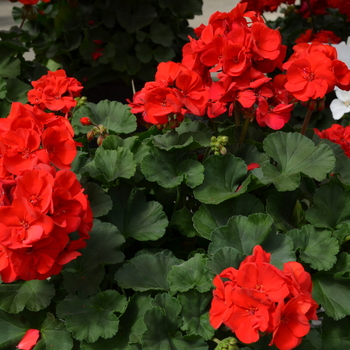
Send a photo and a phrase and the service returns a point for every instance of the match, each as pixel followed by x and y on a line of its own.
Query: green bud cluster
pixel 217 144
pixel 227 344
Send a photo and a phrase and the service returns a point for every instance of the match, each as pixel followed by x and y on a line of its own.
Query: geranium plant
pixel 221 205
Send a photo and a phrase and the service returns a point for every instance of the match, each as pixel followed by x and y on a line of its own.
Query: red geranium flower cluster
pixel 323 36
pixel 41 200
pixel 337 134
pixel 241 48
pixel 176 91
pixel 314 70
pixel 258 297
pixel 55 91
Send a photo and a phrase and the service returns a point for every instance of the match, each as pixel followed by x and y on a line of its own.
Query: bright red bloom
pixel 310 77
pixel 258 298
pixel 323 36
pixel 337 134
pixel 55 91
pixel 292 324
pixel 29 339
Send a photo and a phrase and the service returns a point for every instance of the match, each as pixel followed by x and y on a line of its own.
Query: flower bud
pixel 100 140
pixel 86 121
pixel 90 135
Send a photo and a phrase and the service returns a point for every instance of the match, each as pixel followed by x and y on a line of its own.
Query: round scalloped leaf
pixel 92 318
pixel 296 154
pixel 225 177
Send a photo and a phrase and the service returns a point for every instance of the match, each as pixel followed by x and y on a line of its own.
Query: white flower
pixel 341 105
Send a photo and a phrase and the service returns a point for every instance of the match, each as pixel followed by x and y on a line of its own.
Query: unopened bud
pixel 321 104
pixel 90 135
pixel 86 121
pixel 312 104
pixel 100 140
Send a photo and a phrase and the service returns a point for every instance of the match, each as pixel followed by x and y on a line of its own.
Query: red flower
pixel 29 339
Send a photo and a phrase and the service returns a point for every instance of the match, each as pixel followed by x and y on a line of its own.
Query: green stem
pixel 216 340
pixel 311 15
pixel 237 117
pixel 206 154
pixel 244 130
pixel 306 121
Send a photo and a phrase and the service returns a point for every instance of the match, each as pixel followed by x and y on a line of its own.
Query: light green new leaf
pixel 317 248
pixel 53 335
pixel 191 274
pixel 92 318
pixel 135 217
pixel 331 207
pixel 147 271
pixel 296 154
pixel 209 217
pixel 242 233
pixel 169 169
pixel 194 313
pixel 34 295
pixel 225 177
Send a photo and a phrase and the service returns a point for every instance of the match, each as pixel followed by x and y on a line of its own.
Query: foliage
pixel 193 216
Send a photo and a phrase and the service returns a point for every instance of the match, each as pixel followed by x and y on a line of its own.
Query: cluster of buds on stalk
pixel 81 101
pixel 99 131
pixel 317 104
pixel 226 344
pixel 174 120
pixel 217 144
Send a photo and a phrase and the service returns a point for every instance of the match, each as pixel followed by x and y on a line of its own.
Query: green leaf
pixel 161 34
pixel 225 177
pixel 127 205
pixel 210 217
pixel 282 208
pixel 17 90
pixel 182 220
pixel 100 202
pixel 194 313
pixel 103 247
pixel 198 130
pixel 169 169
pixel 133 20
pixel 12 330
pixel 118 342
pixel 114 116
pixel 172 141
pixel 342 167
pixel 83 279
pixel 143 52
pixel 296 154
pixel 223 258
pixel 34 295
pixel 132 320
pixel 53 335
pixel 10 67
pixel 163 54
pixel 162 323
pixel 85 273
pixel 242 233
pixel 112 164
pixel 335 334
pixel 147 271
pixel 3 89
pixel 331 207
pixel 331 290
pixel 317 248
pixel 191 274
pixel 94 317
